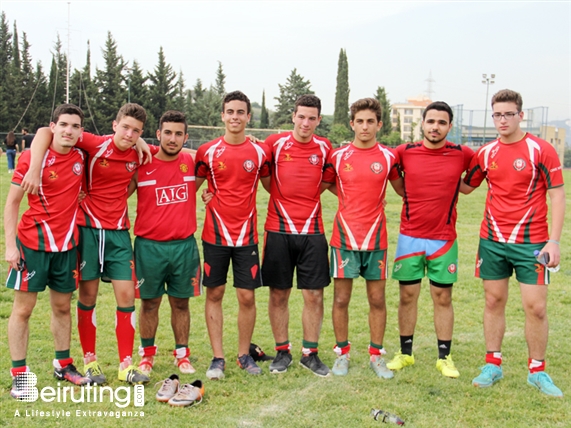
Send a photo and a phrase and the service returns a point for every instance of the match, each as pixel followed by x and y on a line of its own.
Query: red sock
pixel 87 327
pixel 535 365
pixel 494 358
pixel 15 371
pixel 125 331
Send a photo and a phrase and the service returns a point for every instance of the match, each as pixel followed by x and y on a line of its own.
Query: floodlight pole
pixel 487 81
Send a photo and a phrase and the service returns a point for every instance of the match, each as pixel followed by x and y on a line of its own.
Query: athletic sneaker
pixel 71 374
pixel 377 363
pixel 216 369
pixel 133 375
pixel 184 365
pixel 490 375
pixel 543 382
pixel 447 368
pixel 341 365
pixel 313 363
pixel 93 371
pixel 168 389
pixel 21 390
pixel 188 394
pixel 400 361
pixel 146 365
pixel 246 362
pixel 281 362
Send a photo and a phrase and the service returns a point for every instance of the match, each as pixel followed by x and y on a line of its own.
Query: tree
pixel 391 140
pixel 264 116
pixel 220 81
pixel 161 90
pixel 111 93
pixel 294 87
pixel 180 93
pixel 411 135
pixel 58 75
pixel 387 127
pixel 398 128
pixel 339 133
pixel 341 114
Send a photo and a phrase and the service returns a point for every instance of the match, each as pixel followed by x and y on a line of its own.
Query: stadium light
pixel 486 81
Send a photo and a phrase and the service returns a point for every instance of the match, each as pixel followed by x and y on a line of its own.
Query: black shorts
pixel 283 252
pixel 245 266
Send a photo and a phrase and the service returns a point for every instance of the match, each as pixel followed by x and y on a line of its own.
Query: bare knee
pixel 246 298
pixel 279 298
pixel 313 298
pixel 537 310
pixel 215 295
pixel 150 305
pixel 408 294
pixel 179 305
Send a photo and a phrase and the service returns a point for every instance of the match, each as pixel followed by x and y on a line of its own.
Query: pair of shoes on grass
pixel 180 395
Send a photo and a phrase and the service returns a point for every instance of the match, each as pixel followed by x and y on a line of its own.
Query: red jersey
pixel 361 176
pixel 166 193
pixel 297 170
pixel 518 175
pixel 109 172
pixel 232 172
pixel 50 223
pixel 431 184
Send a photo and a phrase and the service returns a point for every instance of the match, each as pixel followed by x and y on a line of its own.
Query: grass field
pixel 419 394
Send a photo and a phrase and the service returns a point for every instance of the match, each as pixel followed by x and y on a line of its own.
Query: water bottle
pixel 543 259
pixel 386 417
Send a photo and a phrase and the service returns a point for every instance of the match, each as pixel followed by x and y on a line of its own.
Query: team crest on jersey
pixel 53 175
pixel 494 152
pixel 51 161
pixel 288 157
pixel 452 268
pixel 103 163
pixel 77 168
pixel 348 167
pixel 220 151
pixel 519 164
pixel 494 165
pixel 314 159
pixel 288 145
pixel 347 154
pixel 131 166
pixel 221 165
pixel 183 167
pixel 376 167
pixel 108 153
pixel 249 165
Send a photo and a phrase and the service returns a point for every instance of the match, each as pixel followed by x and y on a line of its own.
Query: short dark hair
pixel 24 130
pixel 66 109
pixel 508 96
pixel 308 101
pixel 367 104
pixel 236 96
pixel 132 110
pixel 173 116
pixel 440 106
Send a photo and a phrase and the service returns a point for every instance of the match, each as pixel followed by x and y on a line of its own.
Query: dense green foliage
pixel 341 113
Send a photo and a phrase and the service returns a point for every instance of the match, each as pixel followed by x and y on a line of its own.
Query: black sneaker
pixel 281 362
pixel 313 363
pixel 71 374
pixel 246 362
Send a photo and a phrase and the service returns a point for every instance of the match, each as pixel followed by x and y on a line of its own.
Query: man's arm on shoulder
pixel 15 195
pixel 40 145
pixel 191 152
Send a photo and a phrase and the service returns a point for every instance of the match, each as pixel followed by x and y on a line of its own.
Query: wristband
pixel 553 240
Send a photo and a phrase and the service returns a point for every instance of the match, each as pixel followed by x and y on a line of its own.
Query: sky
pixel 398 45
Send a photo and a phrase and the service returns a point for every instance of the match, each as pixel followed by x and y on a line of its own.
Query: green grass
pixel 419 394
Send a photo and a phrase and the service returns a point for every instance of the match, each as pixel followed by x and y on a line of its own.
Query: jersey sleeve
pixel 153 149
pixel 468 155
pixel 266 167
pixel 329 174
pixel 89 142
pixel 550 167
pixel 475 174
pixel 21 168
pixel 394 173
pixel 200 167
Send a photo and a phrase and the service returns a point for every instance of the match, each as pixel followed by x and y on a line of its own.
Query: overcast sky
pixel 390 44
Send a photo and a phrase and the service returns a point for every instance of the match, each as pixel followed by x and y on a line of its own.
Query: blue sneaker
pixel 341 365
pixel 543 382
pixel 490 375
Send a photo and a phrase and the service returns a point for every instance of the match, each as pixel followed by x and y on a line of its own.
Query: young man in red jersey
pixel 105 243
pixel 232 165
pixel 166 255
pixel 41 248
pixel 432 170
pixel 294 237
pixel 521 170
pixel 360 172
